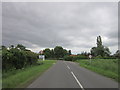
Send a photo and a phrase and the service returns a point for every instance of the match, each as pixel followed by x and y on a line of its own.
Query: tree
pixel 117 54
pixel 52 53
pixel 6 59
pixel 84 53
pixel 65 52
pixel 99 41
pixel 21 47
pixel 59 52
pixel 47 53
pixel 100 50
pixel 4 47
pixel 31 58
pixel 11 46
pixel 107 51
pixel 17 57
pixel 69 52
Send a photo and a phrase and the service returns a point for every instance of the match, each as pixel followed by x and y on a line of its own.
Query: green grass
pixel 21 78
pixel 106 67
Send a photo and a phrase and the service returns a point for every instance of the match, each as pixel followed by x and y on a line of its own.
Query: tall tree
pixel 59 52
pixel 47 53
pixel 100 49
pixel 99 41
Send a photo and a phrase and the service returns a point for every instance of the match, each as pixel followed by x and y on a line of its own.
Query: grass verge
pixel 21 78
pixel 106 67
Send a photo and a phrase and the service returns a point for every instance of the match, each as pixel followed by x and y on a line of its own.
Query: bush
pixel 98 57
pixel 16 58
pixel 81 57
pixel 31 58
pixel 68 58
pixel 6 60
pixel 74 58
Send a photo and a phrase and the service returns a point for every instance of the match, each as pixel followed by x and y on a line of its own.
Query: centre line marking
pixel 77 81
pixel 68 67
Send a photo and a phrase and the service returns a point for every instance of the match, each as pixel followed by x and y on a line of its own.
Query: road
pixel 65 74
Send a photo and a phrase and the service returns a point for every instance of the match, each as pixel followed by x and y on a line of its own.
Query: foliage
pixel 68 58
pixel 74 57
pixel 47 53
pixel 17 57
pixel 82 57
pixel 69 52
pixel 100 49
pixel 31 57
pixel 57 53
pixel 84 53
pixel 98 57
pixel 20 46
pixel 117 54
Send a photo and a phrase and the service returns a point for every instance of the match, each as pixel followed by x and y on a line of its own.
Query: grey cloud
pixel 72 25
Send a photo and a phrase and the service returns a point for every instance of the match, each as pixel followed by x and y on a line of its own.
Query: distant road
pixel 65 74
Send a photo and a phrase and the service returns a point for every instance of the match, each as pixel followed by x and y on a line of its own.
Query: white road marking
pixel 68 67
pixel 77 81
pixel 75 78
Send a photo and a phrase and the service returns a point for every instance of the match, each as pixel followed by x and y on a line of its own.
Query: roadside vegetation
pixel 20 65
pixel 102 61
pixel 106 67
pixel 22 77
pixel 17 57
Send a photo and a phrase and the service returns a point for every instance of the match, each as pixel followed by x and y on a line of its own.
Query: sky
pixel 72 25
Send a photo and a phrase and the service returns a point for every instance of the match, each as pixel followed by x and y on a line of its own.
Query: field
pixel 21 78
pixel 106 67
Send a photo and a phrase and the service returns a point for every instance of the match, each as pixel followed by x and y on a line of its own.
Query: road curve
pixel 65 74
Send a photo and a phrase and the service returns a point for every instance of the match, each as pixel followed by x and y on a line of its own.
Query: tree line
pixel 17 57
pixel 99 52
pixel 57 53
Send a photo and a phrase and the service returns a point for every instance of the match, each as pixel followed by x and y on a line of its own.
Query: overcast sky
pixel 74 26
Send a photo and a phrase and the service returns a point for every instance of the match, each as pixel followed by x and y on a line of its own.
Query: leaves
pixel 17 57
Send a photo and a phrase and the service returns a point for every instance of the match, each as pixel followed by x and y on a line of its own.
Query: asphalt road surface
pixel 65 74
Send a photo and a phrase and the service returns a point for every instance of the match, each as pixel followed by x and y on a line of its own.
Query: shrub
pixel 74 58
pixel 68 58
pixel 16 58
pixel 98 57
pixel 81 57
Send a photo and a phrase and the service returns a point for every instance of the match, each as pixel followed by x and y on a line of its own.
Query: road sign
pixel 90 56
